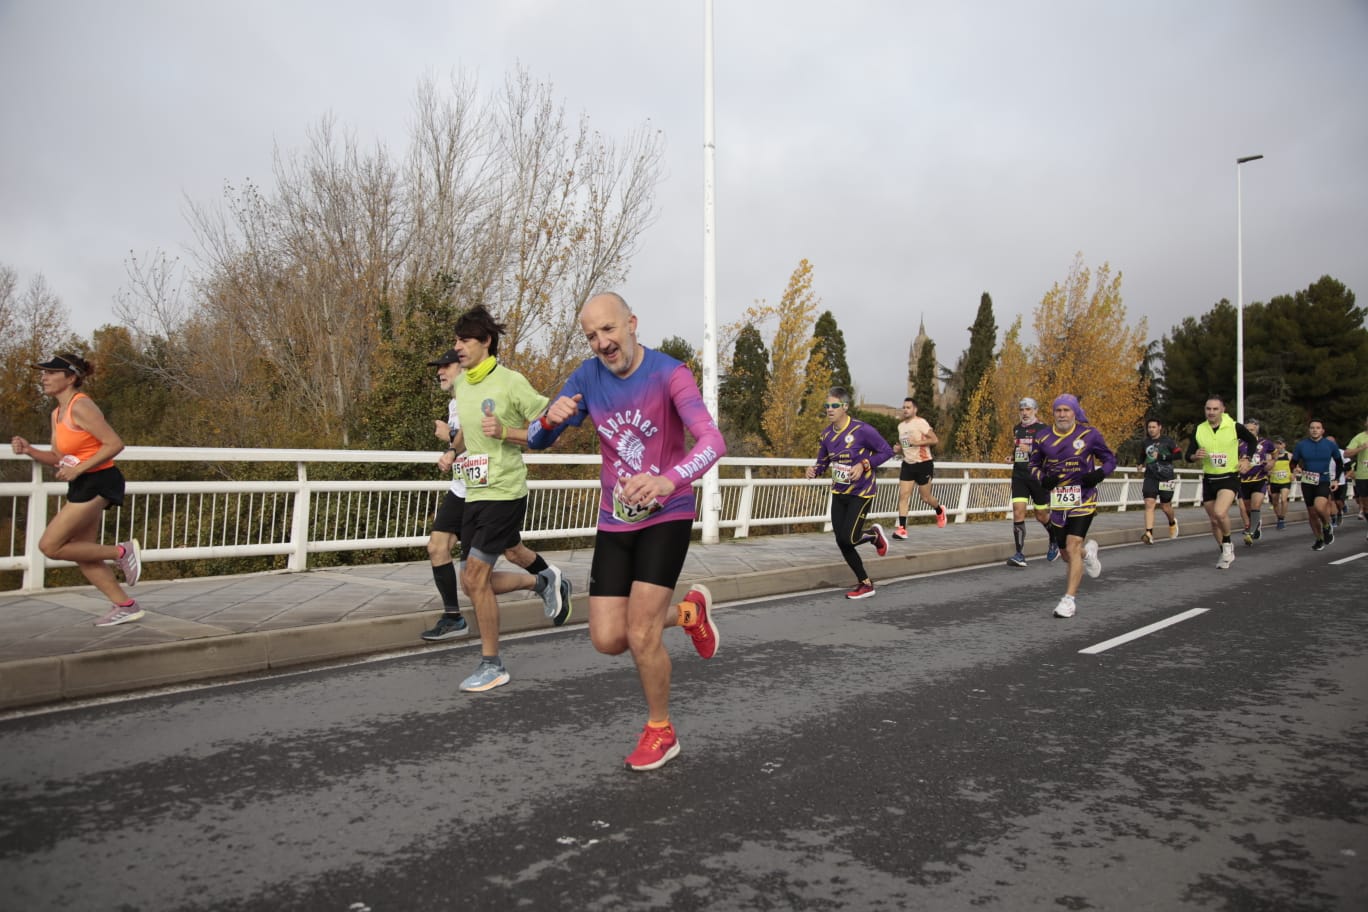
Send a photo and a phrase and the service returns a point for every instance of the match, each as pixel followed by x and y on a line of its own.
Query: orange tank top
pixel 72 441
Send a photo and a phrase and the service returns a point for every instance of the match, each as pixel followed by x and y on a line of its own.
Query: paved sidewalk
pixel 214 627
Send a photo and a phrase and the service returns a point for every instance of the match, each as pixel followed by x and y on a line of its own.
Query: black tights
pixel 848 513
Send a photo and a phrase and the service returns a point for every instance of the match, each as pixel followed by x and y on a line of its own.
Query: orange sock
pixel 688 614
pixel 651 723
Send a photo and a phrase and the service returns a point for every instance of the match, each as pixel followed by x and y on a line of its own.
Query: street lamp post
pixel 1239 291
pixel 711 513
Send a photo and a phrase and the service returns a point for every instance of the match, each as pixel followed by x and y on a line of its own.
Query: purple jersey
pixel 854 443
pixel 1068 457
pixel 640 421
pixel 1258 460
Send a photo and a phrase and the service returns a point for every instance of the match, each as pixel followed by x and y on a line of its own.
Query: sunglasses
pixel 834 405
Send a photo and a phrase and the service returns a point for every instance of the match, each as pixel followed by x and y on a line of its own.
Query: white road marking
pixel 1352 557
pixel 1143 631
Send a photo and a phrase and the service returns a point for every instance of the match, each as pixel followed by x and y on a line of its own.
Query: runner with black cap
pixel 83 450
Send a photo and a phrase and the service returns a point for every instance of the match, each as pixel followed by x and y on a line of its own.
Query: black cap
pixel 58 363
pixel 449 358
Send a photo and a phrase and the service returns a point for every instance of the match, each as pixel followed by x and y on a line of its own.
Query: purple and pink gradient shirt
pixel 640 421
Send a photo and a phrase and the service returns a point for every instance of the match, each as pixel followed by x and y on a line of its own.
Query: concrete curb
pixel 30 682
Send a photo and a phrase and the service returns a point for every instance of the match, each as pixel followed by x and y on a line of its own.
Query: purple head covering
pixel 1071 401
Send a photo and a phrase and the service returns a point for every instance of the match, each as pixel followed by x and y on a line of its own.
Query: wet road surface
pixel 943 745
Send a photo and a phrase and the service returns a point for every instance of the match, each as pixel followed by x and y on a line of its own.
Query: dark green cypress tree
pixel 741 393
pixel 978 358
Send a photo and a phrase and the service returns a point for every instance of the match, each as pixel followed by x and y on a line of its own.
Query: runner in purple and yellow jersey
pixel 851 450
pixel 1254 481
pixel 641 402
pixel 1070 460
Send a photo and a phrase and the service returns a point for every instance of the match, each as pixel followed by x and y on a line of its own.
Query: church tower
pixel 914 358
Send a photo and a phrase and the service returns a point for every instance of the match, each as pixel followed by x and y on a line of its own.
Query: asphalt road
pixel 944 745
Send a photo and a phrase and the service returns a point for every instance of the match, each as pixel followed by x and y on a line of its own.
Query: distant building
pixel 947 393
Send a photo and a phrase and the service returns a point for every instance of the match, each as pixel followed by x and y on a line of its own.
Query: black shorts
pixel 1249 488
pixel 1311 492
pixel 652 555
pixel 1361 487
pixel 1075 525
pixel 1149 488
pixel 1213 483
pixel 1340 492
pixel 1028 489
pixel 107 483
pixel 492 526
pixel 449 514
pixel 919 472
pixel 1276 488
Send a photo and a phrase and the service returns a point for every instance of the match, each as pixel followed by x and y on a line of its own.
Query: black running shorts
pixel 652 555
pixel 492 526
pixel 107 483
pixel 1213 483
pixel 919 472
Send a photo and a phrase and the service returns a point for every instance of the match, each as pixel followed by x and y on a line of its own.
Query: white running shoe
pixel 1091 564
pixel 1066 607
pixel 1227 557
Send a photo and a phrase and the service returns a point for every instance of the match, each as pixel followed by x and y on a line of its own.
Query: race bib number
pixel 841 474
pixel 1256 459
pixel 1169 485
pixel 477 470
pixel 1280 476
pixel 1310 478
pixel 905 441
pixel 1218 460
pixel 631 513
pixel 1066 497
pixel 1022 453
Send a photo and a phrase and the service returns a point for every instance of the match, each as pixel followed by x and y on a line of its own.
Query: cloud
pixel 918 154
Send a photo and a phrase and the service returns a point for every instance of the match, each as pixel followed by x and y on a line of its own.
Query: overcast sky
pixel 918 154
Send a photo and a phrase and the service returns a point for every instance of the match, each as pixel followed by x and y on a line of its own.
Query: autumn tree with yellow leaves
pixel 1083 346
pixel 798 376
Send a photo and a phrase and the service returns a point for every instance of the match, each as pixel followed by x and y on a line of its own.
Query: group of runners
pixel 641 403
pixel 1057 469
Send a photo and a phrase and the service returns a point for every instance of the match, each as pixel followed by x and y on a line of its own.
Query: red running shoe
pixel 704 631
pixel 657 747
pixel 940 519
pixel 880 541
pixel 864 590
pixel 900 533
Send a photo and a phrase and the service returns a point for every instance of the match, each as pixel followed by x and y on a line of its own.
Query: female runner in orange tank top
pixel 83 451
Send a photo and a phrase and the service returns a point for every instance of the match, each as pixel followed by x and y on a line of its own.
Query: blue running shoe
pixel 1017 560
pixel 487 677
pixel 1053 554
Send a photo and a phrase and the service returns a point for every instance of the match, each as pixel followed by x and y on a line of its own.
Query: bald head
pixel 610 329
pixel 608 299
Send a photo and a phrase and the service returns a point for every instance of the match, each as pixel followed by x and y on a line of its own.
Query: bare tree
pixel 33 325
pixel 304 291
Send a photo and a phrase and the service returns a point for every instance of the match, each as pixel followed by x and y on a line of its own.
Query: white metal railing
pixel 314 513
